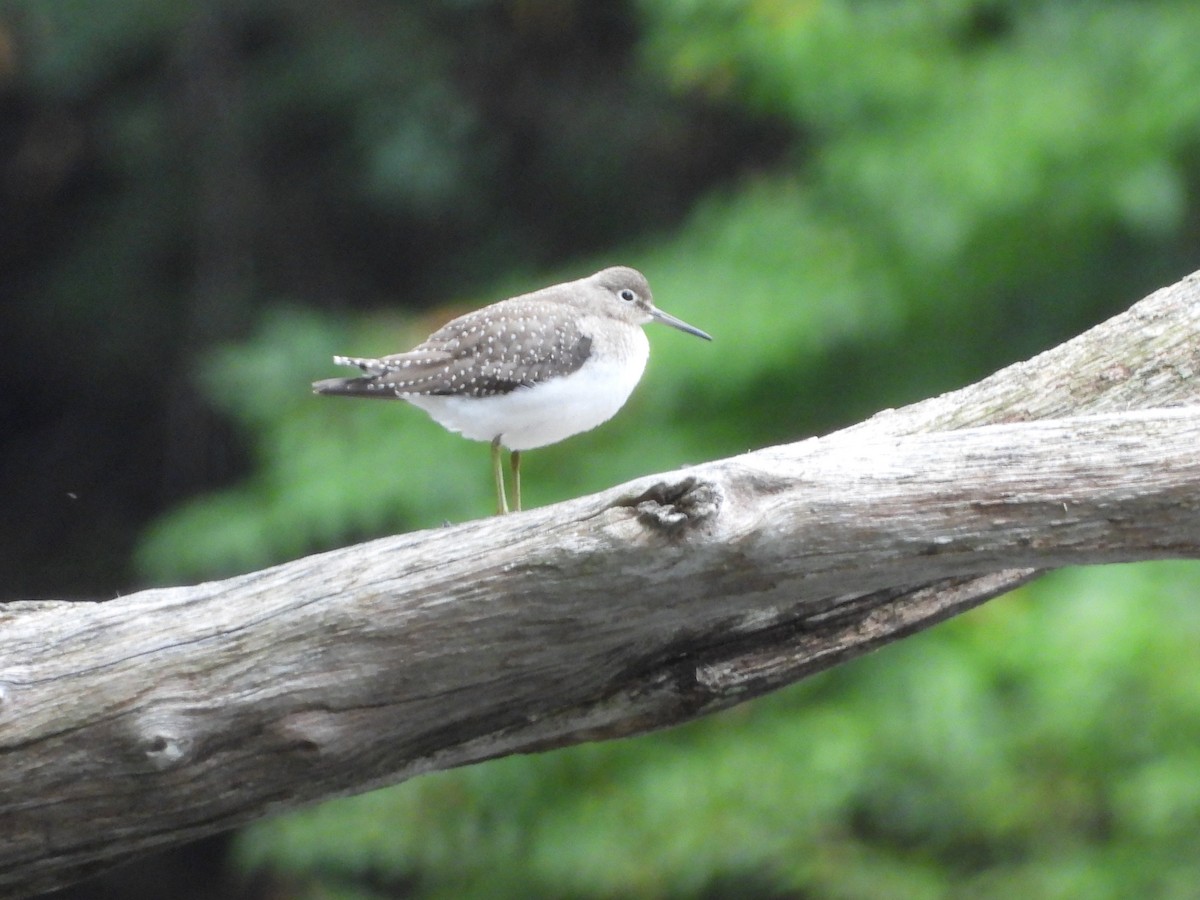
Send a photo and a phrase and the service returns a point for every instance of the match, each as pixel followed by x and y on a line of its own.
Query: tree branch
pixel 169 714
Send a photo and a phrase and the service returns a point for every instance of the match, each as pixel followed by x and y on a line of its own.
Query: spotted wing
pixel 495 350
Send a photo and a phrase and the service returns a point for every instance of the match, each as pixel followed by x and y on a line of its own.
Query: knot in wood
pixel 674 506
pixel 163 745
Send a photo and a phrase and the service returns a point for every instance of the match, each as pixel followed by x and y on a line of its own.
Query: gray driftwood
pixel 170 714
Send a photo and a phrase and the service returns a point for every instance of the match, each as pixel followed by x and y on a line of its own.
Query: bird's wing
pixel 517 343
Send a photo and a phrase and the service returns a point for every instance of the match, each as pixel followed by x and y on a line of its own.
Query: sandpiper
pixel 524 372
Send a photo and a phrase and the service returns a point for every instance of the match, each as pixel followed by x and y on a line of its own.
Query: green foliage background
pixel 865 203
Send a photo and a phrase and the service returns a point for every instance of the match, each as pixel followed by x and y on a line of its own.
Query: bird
pixel 524 372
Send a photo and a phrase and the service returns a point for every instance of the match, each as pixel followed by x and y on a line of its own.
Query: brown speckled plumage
pixel 512 344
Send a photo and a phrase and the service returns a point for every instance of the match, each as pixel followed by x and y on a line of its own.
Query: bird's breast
pixel 548 412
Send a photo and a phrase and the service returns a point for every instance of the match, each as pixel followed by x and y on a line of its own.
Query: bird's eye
pixel 627 295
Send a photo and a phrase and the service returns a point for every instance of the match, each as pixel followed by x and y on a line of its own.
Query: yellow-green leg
pixel 498 471
pixel 516 467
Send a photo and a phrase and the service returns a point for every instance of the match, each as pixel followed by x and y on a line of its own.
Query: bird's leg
pixel 498 470
pixel 516 467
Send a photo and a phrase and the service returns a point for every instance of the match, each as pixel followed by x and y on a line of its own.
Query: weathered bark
pixel 169 714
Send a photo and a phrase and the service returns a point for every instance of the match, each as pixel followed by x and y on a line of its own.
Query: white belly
pixel 546 413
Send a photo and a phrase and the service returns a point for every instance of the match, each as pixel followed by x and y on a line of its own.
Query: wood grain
pixel 169 714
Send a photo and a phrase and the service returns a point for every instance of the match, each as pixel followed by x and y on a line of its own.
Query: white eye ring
pixel 627 295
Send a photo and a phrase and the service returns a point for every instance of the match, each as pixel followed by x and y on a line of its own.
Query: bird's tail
pixel 363 386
